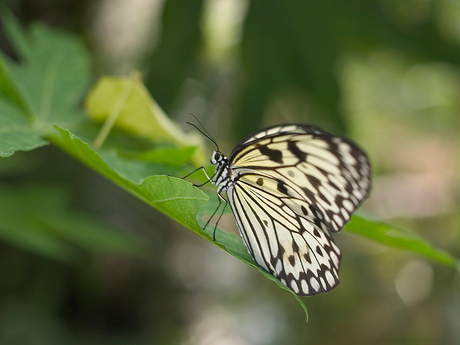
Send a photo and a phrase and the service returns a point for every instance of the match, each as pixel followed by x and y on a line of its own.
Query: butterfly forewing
pixel 329 172
pixel 293 185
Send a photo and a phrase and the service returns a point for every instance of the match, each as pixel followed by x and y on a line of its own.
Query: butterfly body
pixel 290 187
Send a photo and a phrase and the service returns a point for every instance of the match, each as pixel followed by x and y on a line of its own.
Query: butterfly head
pixel 222 169
pixel 217 157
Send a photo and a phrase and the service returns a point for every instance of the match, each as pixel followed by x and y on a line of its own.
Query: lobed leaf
pixel 40 90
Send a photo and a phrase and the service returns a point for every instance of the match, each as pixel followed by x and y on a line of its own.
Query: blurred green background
pixel 385 73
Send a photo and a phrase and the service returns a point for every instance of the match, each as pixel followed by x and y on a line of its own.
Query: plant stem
pixel 115 112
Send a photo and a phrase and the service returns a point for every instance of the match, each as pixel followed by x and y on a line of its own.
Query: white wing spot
pixel 330 278
pixel 304 286
pixel 323 283
pixel 279 266
pixel 334 258
pixel 334 224
pixel 273 130
pixel 294 286
pixel 338 220
pixel 358 194
pixel 335 247
pixel 288 128
pixel 344 147
pixel 336 140
pixel 348 205
pixel 314 284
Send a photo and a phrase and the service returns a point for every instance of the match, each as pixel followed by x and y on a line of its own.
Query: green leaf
pixel 393 236
pixel 41 90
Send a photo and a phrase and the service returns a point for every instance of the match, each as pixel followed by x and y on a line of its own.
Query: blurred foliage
pixel 176 58
pixel 35 218
pixel 383 71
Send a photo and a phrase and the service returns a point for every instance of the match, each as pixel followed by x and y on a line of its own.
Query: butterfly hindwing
pixel 284 243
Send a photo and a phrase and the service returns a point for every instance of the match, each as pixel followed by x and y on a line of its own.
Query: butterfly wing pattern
pixel 290 187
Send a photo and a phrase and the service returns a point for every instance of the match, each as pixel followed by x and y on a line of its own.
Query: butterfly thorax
pixel 223 176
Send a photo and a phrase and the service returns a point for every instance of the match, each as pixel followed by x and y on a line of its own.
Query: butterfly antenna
pixel 201 125
pixel 204 131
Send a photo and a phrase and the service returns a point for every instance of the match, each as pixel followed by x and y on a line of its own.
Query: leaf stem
pixel 115 112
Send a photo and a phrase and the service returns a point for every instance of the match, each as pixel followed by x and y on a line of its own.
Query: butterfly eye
pixel 216 157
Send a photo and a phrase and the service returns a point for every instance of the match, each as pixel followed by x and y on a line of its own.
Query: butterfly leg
pixel 205 172
pixel 221 198
pixel 214 213
pixel 194 171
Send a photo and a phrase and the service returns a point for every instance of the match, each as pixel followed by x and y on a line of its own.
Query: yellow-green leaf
pixel 135 111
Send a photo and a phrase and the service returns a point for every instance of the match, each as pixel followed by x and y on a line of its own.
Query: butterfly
pixel 290 187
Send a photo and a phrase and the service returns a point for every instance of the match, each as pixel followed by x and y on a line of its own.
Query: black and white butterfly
pixel 290 187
